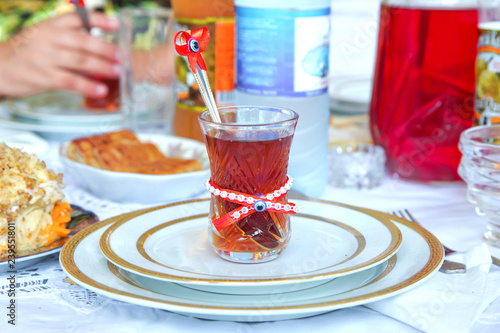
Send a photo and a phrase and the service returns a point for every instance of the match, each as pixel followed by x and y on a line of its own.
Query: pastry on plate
pixel 122 151
pixel 82 149
pixel 126 157
pixel 33 210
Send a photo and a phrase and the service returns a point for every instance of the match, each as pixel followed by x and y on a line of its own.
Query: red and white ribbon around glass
pixel 251 203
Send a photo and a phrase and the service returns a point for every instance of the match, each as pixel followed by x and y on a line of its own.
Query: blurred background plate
pixel 29 142
pixel 350 94
pixel 340 108
pixel 59 107
pixel 58 132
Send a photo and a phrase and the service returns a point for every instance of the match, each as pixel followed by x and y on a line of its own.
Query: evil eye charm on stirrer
pixel 79 3
pixel 192 44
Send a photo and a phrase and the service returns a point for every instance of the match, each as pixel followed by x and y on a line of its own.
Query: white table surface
pixel 442 208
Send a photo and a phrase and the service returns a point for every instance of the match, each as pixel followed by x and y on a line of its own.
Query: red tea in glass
pixel 423 89
pixel 110 102
pixel 249 155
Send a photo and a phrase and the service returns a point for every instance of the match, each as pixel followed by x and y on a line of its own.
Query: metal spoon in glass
pixel 82 12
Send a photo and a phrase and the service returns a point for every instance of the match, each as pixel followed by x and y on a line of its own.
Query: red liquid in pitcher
pixel 110 102
pixel 249 167
pixel 423 89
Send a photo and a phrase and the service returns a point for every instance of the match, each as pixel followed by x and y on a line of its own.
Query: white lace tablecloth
pixel 47 301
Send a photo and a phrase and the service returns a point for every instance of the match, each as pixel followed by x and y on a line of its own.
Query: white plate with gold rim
pixel 419 257
pixel 171 243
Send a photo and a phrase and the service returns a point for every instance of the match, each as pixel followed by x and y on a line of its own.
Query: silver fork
pixel 448 266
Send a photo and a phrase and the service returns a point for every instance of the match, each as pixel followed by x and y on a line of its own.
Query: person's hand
pixel 58 55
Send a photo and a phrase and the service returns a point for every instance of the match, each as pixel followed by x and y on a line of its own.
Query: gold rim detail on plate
pixel 113 257
pixel 433 263
pixel 143 238
pixel 119 273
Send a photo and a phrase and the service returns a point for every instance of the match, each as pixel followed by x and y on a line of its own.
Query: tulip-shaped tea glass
pixel 249 219
pixel 480 168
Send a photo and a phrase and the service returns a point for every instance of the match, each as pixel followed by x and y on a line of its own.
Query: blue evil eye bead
pixel 194 45
pixel 259 206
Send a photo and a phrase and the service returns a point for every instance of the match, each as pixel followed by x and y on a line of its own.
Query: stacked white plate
pixel 350 95
pixel 339 256
pixel 56 115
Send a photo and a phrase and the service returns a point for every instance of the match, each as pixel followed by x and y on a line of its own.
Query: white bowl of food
pixel 99 175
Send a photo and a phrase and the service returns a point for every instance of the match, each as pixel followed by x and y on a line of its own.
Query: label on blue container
pixel 282 52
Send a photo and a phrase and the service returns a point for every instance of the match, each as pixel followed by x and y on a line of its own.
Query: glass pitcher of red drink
pixel 423 89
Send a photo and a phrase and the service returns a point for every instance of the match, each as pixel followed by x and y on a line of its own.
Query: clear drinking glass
pixel 423 89
pixel 480 168
pixel 359 166
pixel 146 54
pixel 110 102
pixel 249 153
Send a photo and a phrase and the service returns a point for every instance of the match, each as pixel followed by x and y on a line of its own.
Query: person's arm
pixel 57 55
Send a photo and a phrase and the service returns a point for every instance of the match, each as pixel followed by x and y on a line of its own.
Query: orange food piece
pixel 60 216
